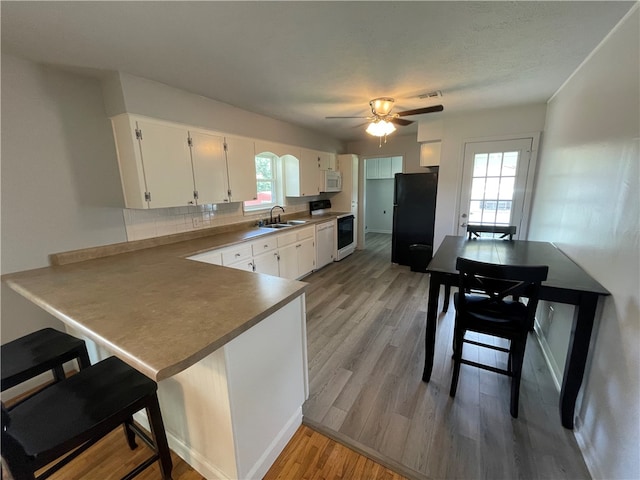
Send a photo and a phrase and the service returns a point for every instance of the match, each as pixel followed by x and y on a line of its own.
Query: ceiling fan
pixel 383 121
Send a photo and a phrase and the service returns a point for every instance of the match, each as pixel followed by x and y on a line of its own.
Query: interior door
pixel 494 182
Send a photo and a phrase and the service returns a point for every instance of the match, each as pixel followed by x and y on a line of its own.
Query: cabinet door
pixel 327 161
pixel 164 151
pixel 396 166
pixel 306 256
pixel 241 165
pixel 267 263
pixel 384 168
pixel 371 165
pixel 309 173
pixel 209 167
pixel 289 261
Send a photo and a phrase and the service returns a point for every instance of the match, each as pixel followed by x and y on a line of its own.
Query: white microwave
pixel 331 181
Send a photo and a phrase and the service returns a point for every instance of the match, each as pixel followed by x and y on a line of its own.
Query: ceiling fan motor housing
pixel 381 106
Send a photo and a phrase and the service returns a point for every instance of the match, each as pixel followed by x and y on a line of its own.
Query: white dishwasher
pixel 326 248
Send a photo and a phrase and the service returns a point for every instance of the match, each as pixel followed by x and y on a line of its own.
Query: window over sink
pixel 268 182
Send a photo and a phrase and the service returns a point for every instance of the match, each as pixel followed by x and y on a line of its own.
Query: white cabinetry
pixel 327 161
pixel 155 164
pixel 209 167
pixel 297 252
pixel 241 167
pixel 266 257
pixel 302 175
pixel 164 164
pixel 289 255
pixel 381 168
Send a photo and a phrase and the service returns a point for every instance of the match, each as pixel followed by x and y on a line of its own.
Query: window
pixel 492 188
pixel 267 183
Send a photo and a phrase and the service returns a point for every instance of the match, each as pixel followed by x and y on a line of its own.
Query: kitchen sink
pixel 296 222
pixel 278 225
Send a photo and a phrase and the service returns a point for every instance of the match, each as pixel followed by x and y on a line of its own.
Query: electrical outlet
pixel 197 222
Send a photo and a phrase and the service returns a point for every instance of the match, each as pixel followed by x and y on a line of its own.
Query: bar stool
pixel 74 414
pixel 39 352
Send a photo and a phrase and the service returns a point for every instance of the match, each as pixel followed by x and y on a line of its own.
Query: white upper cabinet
pixel 154 161
pixel 381 168
pixel 241 166
pixel 302 175
pixel 209 168
pixel 327 161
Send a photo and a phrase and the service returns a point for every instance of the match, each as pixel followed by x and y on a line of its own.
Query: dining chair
pixel 485 304
pixel 65 419
pixel 504 231
pixel 39 352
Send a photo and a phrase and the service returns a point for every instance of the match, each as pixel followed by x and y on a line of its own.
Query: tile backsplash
pixel 157 222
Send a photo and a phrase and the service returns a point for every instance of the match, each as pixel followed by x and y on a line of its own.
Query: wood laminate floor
pixel 365 325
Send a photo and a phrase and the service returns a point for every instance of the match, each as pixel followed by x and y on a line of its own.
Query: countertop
pixel 153 308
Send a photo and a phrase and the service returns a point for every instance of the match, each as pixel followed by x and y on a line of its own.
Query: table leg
pixel 430 334
pixel 447 295
pixel 577 356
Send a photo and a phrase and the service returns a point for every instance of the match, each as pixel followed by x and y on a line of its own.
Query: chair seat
pixel 506 313
pixel 76 406
pixel 37 353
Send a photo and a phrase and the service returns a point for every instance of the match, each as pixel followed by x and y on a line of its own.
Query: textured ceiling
pixel 302 61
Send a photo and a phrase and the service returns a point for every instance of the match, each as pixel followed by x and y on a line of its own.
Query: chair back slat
pixel 497 282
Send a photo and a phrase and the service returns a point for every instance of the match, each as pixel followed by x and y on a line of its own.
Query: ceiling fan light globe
pixel 380 128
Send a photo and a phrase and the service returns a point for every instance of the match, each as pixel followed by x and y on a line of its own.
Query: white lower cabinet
pixel 297 253
pixel 289 261
pixel 267 263
pixel 288 255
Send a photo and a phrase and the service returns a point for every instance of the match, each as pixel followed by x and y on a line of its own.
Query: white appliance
pixel 326 243
pixel 331 181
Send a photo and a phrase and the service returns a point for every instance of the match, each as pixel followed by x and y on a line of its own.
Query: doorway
pixel 497 179
pixel 378 187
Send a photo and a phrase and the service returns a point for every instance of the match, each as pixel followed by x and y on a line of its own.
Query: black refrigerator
pixel 414 214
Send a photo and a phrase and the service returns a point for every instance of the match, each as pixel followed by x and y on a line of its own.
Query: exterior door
pixel 495 181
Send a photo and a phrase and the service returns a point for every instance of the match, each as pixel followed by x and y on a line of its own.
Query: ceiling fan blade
pixel 420 111
pixel 401 121
pixel 344 117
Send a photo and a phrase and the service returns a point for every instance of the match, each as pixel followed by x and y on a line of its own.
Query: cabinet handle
pixel 299 245
pixel 190 202
pixel 237 254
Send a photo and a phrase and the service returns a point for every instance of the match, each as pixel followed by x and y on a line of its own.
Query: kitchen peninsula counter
pixel 156 310
pixel 227 347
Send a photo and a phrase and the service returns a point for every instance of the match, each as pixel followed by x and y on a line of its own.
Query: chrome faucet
pixel 271 214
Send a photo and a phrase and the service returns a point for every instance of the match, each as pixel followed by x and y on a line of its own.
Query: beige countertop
pixel 156 310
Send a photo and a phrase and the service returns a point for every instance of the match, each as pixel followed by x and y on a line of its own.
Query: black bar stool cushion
pixel 39 352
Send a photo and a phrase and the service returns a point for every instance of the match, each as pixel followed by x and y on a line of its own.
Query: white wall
pixel 60 183
pixel 145 97
pixel 587 202
pixel 454 130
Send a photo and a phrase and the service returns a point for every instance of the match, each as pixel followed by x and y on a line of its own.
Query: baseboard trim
pixel 269 456
pixel 364 450
pixel 556 374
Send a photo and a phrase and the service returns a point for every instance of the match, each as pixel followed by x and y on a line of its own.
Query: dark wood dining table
pixel 567 283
